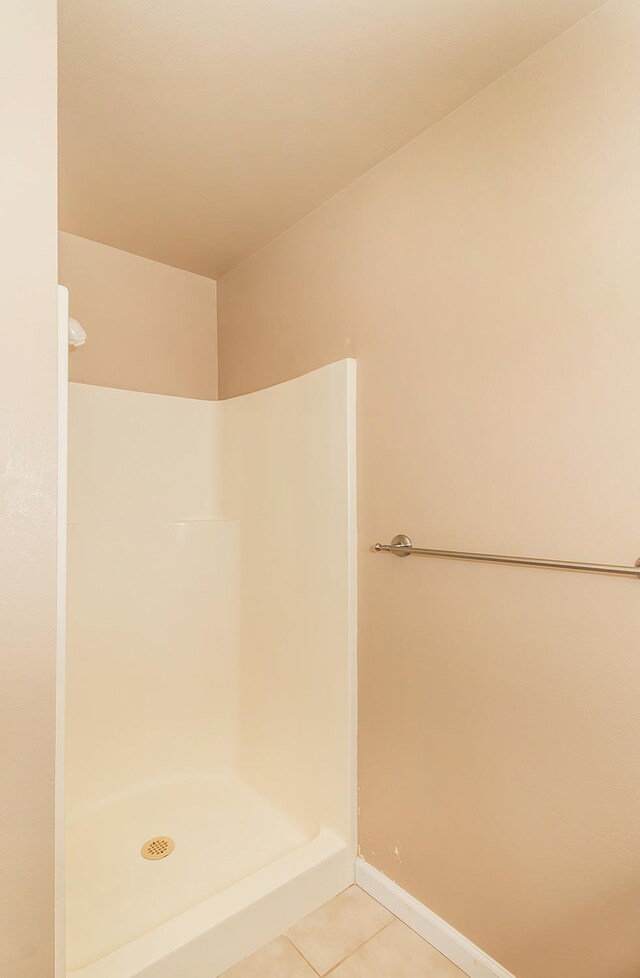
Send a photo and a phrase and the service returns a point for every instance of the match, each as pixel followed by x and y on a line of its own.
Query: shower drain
pixel 158 847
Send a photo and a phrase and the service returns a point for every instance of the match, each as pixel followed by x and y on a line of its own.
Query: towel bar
pixel 402 546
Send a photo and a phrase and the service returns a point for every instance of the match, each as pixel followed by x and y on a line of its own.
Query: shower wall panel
pixel 152 624
pixel 289 474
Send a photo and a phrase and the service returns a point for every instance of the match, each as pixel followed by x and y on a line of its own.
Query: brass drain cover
pixel 158 847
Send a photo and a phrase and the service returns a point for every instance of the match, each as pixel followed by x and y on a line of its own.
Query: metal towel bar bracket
pixel 402 546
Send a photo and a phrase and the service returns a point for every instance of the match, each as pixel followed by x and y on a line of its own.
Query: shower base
pixel 241 873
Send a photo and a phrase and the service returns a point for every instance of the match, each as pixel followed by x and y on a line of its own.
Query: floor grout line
pixel 386 924
pixel 325 974
pixel 306 960
pixel 375 933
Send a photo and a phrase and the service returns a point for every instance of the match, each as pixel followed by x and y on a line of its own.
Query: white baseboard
pixel 441 935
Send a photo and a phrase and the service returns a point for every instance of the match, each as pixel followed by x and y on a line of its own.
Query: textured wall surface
pixel 486 279
pixel 28 367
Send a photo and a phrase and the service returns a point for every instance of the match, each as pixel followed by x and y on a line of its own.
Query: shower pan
pixel 210 676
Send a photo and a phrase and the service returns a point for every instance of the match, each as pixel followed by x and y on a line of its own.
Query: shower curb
pixel 441 935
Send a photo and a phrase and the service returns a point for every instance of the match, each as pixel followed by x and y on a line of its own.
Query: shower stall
pixel 210 671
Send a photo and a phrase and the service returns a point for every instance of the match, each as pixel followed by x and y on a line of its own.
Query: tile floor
pixel 352 936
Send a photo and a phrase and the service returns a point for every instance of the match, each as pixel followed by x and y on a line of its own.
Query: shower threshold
pixel 240 873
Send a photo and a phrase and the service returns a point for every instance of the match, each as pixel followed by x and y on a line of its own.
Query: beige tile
pixel 277 960
pixel 327 936
pixel 397 952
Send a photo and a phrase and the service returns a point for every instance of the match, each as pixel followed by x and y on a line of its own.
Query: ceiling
pixel 195 131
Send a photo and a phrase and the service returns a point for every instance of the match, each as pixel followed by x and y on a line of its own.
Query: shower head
pixel 77 334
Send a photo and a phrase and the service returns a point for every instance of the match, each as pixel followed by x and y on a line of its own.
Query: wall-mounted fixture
pixel 77 333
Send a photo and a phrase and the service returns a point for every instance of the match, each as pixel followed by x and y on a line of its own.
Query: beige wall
pixel 486 278
pixel 28 367
pixel 150 327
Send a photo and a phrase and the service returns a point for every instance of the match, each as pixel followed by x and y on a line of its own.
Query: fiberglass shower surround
pixel 210 676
